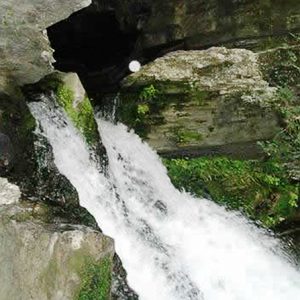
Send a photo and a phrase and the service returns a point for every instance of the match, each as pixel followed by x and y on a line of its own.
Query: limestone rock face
pixel 25 52
pixel 46 261
pixel 212 101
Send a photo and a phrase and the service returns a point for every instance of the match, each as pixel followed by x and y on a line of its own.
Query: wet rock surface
pixel 120 287
pixel 6 153
pixel 33 167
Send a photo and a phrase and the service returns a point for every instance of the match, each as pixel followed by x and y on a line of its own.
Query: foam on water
pixel 172 245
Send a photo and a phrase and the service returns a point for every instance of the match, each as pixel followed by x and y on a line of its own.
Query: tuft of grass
pixel 96 281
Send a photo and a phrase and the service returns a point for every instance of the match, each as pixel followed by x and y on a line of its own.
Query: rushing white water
pixel 172 245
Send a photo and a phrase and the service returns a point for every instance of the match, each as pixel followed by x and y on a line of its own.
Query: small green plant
pixel 137 111
pixel 285 96
pixel 143 109
pixel 148 93
pixel 146 97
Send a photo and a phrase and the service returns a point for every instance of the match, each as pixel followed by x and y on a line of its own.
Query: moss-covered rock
pixel 197 102
pixel 66 90
pixel 72 97
pixel 65 261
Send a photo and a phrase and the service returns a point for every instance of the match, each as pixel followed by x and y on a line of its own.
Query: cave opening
pixel 92 43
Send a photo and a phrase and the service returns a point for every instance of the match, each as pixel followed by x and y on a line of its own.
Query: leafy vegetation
pixel 148 93
pixel 259 189
pixel 96 281
pixel 266 190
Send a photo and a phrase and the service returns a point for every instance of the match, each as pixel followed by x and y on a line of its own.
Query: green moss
pixel 260 189
pixel 82 116
pixel 22 217
pixel 183 136
pixel 272 42
pixel 286 144
pixel 96 280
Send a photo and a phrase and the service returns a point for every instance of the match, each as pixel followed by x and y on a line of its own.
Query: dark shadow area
pixel 92 44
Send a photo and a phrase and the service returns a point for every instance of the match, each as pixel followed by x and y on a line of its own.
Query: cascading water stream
pixel 172 245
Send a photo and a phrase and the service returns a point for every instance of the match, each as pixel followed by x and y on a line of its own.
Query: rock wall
pixel 194 24
pixel 201 102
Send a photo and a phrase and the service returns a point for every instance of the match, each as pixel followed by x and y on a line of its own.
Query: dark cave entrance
pixel 92 44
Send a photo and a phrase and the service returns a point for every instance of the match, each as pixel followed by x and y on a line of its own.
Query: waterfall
pixel 172 245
